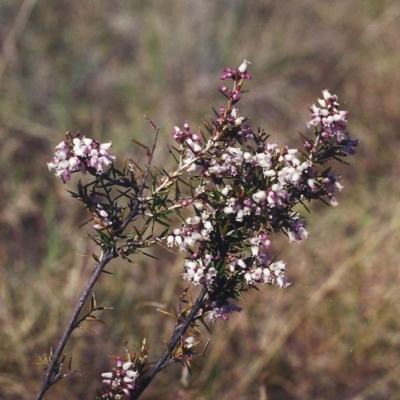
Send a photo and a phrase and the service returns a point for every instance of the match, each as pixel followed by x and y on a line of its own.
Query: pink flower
pixel 80 155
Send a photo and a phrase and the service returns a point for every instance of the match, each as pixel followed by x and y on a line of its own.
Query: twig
pixel 139 195
pixel 48 379
pixel 176 337
pixel 110 254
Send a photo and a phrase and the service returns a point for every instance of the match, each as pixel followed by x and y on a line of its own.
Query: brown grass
pixel 99 66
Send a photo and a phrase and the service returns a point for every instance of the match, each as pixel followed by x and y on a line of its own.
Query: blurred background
pixel 99 66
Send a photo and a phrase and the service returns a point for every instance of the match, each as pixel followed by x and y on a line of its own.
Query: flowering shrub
pixel 239 189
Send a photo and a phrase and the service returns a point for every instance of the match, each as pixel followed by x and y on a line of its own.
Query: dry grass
pixel 99 66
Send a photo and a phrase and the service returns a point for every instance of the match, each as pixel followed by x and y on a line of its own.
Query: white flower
pixel 259 196
pixel 228 210
pixel 243 66
pixel 326 94
pixel 226 190
pixel 198 206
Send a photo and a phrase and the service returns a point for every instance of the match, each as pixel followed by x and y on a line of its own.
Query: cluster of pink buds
pixel 237 75
pixel 121 381
pixel 185 135
pixel 76 154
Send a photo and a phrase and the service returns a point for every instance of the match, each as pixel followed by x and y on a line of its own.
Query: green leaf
pixel 215 111
pixel 80 191
pixel 207 126
pixel 163 233
pixel 172 153
pixel 85 223
pixel 148 255
pixel 161 222
pixel 73 194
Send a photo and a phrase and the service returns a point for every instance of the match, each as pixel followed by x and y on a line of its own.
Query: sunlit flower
pixel 80 155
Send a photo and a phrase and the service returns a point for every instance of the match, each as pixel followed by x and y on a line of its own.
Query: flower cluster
pixel 259 268
pixel 237 75
pixel 76 154
pixel 222 310
pixel 247 188
pixel 195 229
pixel 102 217
pixel 121 381
pixel 331 124
pixel 198 271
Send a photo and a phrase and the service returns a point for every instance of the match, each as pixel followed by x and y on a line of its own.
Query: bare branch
pixel 52 373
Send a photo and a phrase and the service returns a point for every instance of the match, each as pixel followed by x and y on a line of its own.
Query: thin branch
pixel 49 379
pixel 150 160
pixel 110 254
pixel 135 208
pixel 176 337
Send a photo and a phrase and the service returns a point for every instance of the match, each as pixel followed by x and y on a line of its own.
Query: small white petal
pixel 243 66
pixel 326 94
pixel 105 146
pixel 259 196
